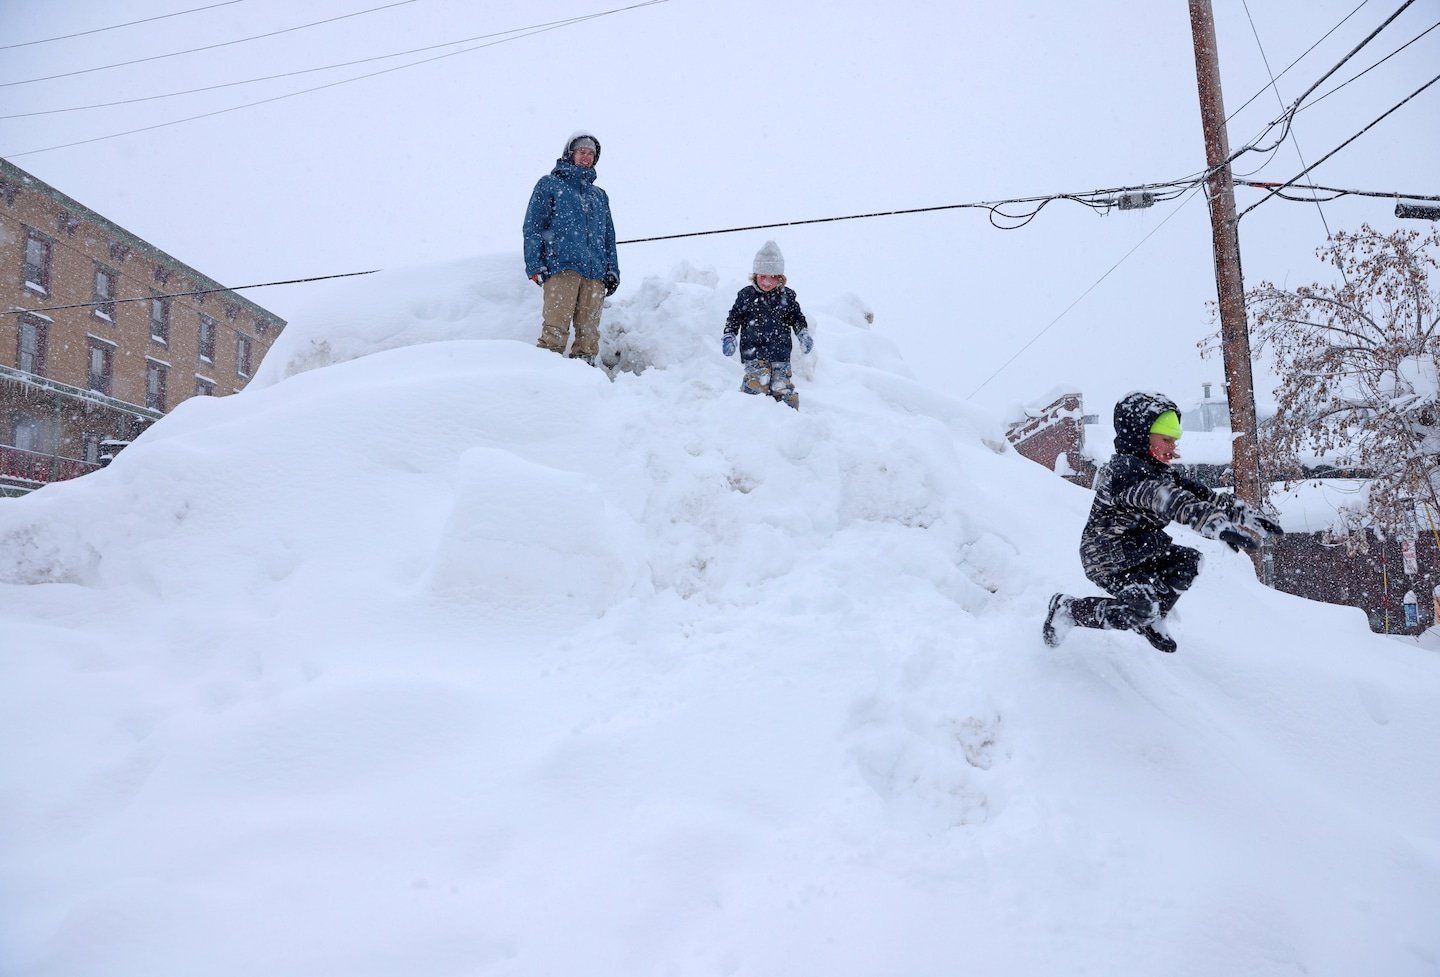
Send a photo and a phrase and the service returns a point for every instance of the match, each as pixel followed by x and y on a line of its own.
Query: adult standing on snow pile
pixel 1124 547
pixel 765 315
pixel 570 249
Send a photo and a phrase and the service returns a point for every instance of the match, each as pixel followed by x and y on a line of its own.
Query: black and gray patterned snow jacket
pixel 1136 497
pixel 764 322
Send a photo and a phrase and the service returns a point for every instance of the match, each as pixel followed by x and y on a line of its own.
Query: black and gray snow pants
pixel 1143 593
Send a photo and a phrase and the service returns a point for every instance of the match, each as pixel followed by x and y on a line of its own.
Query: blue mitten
pixel 727 345
pixel 806 343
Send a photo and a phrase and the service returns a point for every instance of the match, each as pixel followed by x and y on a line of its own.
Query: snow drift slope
pixel 434 653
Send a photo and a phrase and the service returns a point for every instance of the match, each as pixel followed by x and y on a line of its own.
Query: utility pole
pixel 1230 287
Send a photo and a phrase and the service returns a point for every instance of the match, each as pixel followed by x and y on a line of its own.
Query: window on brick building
pixel 155 377
pixel 27 433
pixel 33 348
pixel 37 261
pixel 160 319
pixel 204 388
pixel 91 441
pixel 242 355
pixel 106 285
pixel 207 339
pixel 101 367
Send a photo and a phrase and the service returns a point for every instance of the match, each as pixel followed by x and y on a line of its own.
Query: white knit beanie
pixel 769 260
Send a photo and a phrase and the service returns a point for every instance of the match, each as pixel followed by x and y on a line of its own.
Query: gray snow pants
pixel 1143 592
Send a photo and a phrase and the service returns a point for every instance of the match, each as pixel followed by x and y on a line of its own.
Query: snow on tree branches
pixel 1357 362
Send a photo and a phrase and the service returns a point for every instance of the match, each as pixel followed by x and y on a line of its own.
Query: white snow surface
pixel 435 654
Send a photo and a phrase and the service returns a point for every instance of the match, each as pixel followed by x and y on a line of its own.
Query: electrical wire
pixel 1291 182
pixel 207 47
pixel 1335 192
pixel 1373 66
pixel 144 285
pixel 334 84
pixel 1292 64
pixel 113 27
pixel 1275 87
pixel 1098 200
pixel 302 71
pixel 1078 299
pixel 1354 51
pixel 1286 117
pixel 177 295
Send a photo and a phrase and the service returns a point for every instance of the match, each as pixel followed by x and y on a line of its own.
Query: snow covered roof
pixel 1311 506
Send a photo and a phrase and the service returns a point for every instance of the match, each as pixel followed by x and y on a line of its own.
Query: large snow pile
pixel 437 654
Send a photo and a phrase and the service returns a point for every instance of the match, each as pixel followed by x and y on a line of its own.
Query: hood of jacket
pixel 1134 414
pixel 578 134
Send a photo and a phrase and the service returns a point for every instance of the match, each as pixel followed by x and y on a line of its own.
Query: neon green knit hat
pixel 1167 425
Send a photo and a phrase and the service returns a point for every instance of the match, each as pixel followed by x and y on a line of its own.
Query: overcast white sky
pixel 718 115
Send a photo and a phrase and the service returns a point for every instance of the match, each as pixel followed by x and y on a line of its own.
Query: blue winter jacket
pixel 764 322
pixel 568 226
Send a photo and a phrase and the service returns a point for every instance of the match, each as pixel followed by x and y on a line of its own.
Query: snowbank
pixel 436 653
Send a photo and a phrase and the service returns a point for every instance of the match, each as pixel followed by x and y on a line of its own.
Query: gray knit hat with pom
pixel 769 260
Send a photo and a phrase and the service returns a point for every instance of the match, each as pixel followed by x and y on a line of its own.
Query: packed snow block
pixel 530 538
pixel 486 297
pixel 45 552
pixel 665 322
pixel 850 309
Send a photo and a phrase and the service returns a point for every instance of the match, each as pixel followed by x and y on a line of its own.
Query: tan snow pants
pixel 568 297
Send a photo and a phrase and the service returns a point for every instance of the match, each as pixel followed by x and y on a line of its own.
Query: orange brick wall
pixel 81 239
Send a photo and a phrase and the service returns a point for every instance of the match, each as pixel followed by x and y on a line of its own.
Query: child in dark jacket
pixel 760 324
pixel 1124 547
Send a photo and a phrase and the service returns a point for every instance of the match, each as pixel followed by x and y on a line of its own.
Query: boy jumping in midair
pixel 1124 547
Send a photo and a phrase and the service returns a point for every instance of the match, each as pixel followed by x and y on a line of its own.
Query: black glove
pixel 1271 528
pixel 1237 541
pixel 612 282
pixel 1248 518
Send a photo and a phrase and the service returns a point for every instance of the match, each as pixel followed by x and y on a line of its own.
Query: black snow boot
pixel 1158 639
pixel 1058 621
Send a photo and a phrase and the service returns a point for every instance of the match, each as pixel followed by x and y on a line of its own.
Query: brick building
pixel 96 341
pixel 1054 436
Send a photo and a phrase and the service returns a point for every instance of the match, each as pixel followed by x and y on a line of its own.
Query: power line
pixel 1335 192
pixel 1066 311
pixel 1103 201
pixel 146 285
pixel 335 84
pixel 304 71
pixel 1275 87
pixel 112 27
pixel 1374 66
pixel 1354 51
pixel 1292 64
pixel 1098 200
pixel 1298 176
pixel 176 295
pixel 207 47
pixel 1287 117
